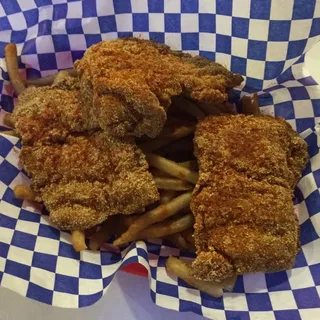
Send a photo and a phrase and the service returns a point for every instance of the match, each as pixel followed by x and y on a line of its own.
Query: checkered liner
pixel 264 40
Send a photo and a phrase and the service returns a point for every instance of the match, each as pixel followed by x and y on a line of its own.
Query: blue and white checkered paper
pixel 264 40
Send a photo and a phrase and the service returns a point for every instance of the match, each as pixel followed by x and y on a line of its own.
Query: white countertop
pixel 128 296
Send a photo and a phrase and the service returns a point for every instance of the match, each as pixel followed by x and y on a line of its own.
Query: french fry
pixel 172 168
pixel 192 165
pixel 48 80
pixel 7 120
pixel 11 133
pixel 16 150
pixel 167 196
pixel 60 75
pixel 78 240
pixel 178 240
pixel 250 105
pixel 178 132
pixel 166 137
pixel 104 234
pixel 11 58
pixel 39 82
pixel 24 193
pixel 177 156
pixel 166 228
pixel 229 283
pixel 158 173
pixel 189 107
pixel 130 219
pixel 182 271
pixel 156 215
pixel 172 184
pixel 125 222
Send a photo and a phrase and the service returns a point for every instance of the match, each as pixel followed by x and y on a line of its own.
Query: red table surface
pixel 136 269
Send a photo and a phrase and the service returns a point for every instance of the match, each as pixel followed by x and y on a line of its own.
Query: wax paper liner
pixel 262 39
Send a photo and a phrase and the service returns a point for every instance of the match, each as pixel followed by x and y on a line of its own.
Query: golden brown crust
pixel 83 158
pixel 263 148
pixel 97 174
pixel 243 200
pixel 144 76
pixel 67 83
pixel 247 222
pixel 254 249
pixel 47 114
pixel 211 265
pixel 81 176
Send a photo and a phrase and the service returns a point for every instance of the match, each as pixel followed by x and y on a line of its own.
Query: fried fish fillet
pixel 81 176
pixel 127 84
pixel 88 178
pixel 242 204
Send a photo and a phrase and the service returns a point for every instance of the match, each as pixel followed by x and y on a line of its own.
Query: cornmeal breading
pixel 243 201
pixel 87 178
pixel 263 148
pixel 48 114
pixel 251 224
pixel 127 84
pixel 81 176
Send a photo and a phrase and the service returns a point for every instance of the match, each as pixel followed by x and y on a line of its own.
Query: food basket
pixel 264 40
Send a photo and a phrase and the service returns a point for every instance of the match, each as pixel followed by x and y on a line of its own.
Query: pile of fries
pixel 175 172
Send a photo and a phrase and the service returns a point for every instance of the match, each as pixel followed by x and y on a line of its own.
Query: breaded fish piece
pixel 250 224
pixel 242 204
pixel 81 176
pixel 88 178
pixel 127 84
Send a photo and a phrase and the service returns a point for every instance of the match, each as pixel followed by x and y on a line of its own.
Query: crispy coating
pixel 81 176
pixel 243 201
pixel 66 82
pixel 48 114
pixel 247 222
pixel 127 84
pixel 264 148
pixel 88 178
